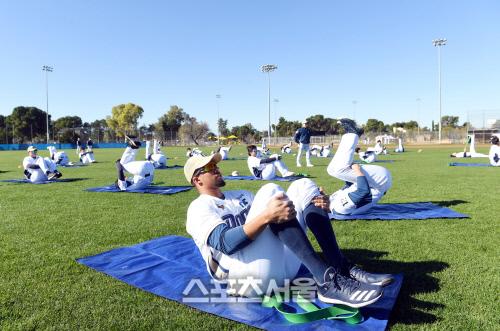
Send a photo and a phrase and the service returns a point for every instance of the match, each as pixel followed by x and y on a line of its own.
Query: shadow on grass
pixel 449 203
pixel 417 279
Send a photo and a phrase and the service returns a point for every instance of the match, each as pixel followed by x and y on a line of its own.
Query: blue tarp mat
pixel 277 178
pixel 170 167
pixel 165 266
pixel 150 189
pixel 403 211
pixel 25 181
pixel 460 164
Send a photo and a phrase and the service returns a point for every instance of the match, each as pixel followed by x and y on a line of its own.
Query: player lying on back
pixel 368 156
pixel 471 139
pixel 155 156
pixel 321 151
pixel 365 184
pixel 142 171
pixel 264 237
pixel 60 158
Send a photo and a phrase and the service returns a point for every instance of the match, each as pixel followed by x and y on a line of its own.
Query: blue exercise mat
pixel 165 266
pixel 25 181
pixel 460 164
pixel 277 178
pixel 150 189
pixel 169 167
pixel 400 211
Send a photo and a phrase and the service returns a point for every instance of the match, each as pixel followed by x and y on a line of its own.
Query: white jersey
pixel 28 160
pixel 494 155
pixel 207 212
pixel 61 158
pixel 368 156
pixel 255 166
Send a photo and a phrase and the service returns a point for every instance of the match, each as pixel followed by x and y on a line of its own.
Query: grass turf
pixel 450 266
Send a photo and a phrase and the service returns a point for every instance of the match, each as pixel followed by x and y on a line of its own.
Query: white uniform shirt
pixel 255 166
pixel 207 212
pixel 367 157
pixel 341 203
pixel 29 160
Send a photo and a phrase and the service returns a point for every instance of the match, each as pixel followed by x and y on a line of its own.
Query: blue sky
pixel 329 54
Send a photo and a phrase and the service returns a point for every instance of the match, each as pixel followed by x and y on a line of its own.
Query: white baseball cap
pixel 32 149
pixel 195 163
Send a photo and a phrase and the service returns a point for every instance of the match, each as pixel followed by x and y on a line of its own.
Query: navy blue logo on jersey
pixel 238 219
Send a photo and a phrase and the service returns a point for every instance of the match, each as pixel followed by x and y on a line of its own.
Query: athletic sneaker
pixel 288 174
pixel 58 174
pixel 339 289
pixel 310 165
pixel 370 278
pixel 350 126
pixel 51 176
pixel 122 185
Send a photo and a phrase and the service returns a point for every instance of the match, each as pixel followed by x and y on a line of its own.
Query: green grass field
pixel 450 266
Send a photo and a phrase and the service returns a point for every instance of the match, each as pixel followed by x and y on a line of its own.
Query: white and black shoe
pixel 370 278
pixel 339 289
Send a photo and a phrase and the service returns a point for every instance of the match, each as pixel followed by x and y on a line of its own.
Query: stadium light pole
pixel 217 98
pixel 438 43
pixel 354 103
pixel 275 100
pixel 268 68
pixel 418 100
pixel 47 69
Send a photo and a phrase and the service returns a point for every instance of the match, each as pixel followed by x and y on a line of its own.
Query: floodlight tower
pixel 438 43
pixel 47 69
pixel 418 100
pixel 268 68
pixel 354 103
pixel 275 100
pixel 217 98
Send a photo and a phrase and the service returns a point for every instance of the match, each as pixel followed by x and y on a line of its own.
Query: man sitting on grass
pixel 265 168
pixel 262 237
pixel 39 169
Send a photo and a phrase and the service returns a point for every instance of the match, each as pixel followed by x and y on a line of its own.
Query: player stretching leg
pixel 241 235
pixel 39 169
pixel 365 185
pixel 142 171
pixel 265 168
pixel 156 156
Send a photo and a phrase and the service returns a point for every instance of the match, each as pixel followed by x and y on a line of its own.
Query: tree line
pixel 28 124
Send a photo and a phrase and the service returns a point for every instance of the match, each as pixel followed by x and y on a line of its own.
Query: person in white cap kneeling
pixel 39 169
